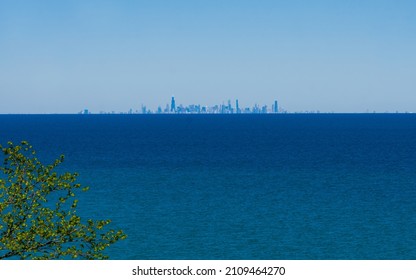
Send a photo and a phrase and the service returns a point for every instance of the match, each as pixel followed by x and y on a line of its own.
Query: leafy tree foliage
pixel 38 218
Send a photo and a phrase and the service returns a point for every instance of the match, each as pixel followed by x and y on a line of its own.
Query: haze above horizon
pixel 328 56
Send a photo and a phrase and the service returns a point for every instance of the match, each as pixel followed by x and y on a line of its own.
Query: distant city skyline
pixel 222 108
pixel 323 55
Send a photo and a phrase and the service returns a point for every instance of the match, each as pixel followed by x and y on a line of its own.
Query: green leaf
pixel 29 227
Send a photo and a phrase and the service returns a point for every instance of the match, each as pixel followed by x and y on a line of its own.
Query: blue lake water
pixel 286 186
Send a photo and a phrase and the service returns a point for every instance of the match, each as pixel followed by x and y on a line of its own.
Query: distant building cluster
pixel 228 108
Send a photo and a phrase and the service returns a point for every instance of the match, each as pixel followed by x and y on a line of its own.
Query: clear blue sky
pixel 340 56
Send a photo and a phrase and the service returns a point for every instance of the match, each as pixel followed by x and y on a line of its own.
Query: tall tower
pixel 237 109
pixel 275 107
pixel 172 105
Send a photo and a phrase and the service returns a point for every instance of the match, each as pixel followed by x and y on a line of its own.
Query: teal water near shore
pixel 286 186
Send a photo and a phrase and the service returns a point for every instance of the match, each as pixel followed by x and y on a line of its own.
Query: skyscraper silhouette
pixel 172 105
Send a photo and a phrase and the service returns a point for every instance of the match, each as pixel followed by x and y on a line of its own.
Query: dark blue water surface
pixel 324 186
